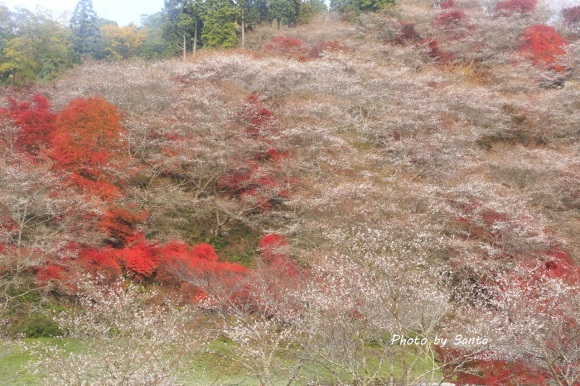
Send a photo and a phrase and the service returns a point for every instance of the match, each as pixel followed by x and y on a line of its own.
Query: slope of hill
pixel 372 188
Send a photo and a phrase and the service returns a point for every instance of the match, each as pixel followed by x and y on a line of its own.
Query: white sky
pixel 122 11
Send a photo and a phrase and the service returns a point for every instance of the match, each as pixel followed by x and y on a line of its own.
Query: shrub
pixel 451 18
pixel 286 46
pixel 571 15
pixel 36 122
pixel 407 34
pixel 510 7
pixel 434 52
pixel 86 141
pixel 326 46
pixel 543 45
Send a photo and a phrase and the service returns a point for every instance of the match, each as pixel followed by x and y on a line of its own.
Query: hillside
pixel 323 207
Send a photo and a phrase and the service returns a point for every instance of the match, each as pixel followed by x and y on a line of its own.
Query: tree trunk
pixel 184 46
pixel 195 37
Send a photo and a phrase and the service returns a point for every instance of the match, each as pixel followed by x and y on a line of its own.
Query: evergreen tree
pixel 219 24
pixel 85 30
pixel 358 6
pixel 285 11
pixel 181 21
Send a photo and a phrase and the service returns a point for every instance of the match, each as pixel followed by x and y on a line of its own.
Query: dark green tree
pixel 358 6
pixel 285 11
pixel 220 28
pixel 85 30
pixel 181 19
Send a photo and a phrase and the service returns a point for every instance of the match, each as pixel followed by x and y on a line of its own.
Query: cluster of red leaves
pixel 433 51
pixel 407 34
pixel 258 119
pixel 287 47
pixel 147 260
pixel 492 227
pixel 86 141
pixel 543 45
pixel 275 250
pixel 258 180
pixel 36 121
pixel 119 225
pixel 489 372
pixel 510 7
pixel 49 273
pixel 450 18
pixel 294 48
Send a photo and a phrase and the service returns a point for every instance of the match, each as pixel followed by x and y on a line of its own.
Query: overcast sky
pixel 122 11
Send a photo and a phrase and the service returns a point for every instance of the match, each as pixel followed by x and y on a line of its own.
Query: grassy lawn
pixel 211 368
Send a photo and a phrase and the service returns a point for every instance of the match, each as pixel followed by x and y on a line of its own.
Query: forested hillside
pixel 384 194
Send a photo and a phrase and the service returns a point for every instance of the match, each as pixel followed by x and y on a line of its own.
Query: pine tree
pixel 85 30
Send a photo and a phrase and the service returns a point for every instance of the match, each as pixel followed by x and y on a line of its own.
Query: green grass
pixel 214 367
pixel 14 365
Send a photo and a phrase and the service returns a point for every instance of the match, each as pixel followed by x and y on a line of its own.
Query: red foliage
pixel 435 53
pixel 543 45
pixel 37 123
pixel 120 225
pixel 259 181
pixel 205 252
pixel 407 34
pixel 141 259
pixel 255 116
pixel 273 247
pixel 487 372
pixel 50 273
pixel 571 15
pixel 179 260
pixel 286 46
pixel 446 4
pixel 515 6
pixel 87 139
pixel 560 264
pixel 451 18
pixel 101 262
pixel 326 46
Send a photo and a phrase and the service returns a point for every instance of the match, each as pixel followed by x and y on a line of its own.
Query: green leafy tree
pixel 155 41
pixel 41 49
pixel 85 30
pixel 249 16
pixel 358 6
pixel 285 11
pixel 181 23
pixel 6 25
pixel 121 42
pixel 219 24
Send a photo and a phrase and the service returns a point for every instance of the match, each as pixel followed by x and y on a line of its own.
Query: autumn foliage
pixel 37 123
pixel 286 46
pixel 543 46
pixel 451 18
pixel 87 140
pixel 515 6
pixel 258 181
pixel 571 15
